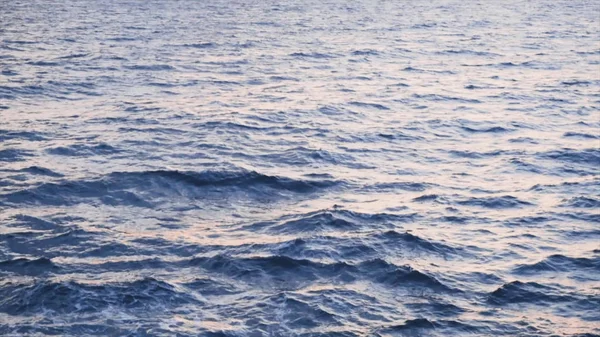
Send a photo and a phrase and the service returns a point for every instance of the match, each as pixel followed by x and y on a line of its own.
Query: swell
pixel 141 188
pixel 67 297
pixel 561 264
pixel 26 266
pixel 338 220
pixel 533 293
pixel 266 270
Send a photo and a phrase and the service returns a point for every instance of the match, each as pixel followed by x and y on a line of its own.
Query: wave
pixel 467 52
pixel 276 268
pixel 298 156
pixel 430 197
pixel 503 202
pixel 517 292
pixel 580 135
pixel 425 327
pixel 365 52
pixel 51 89
pixel 312 55
pixel 441 98
pixel 267 270
pixel 407 240
pixel 328 220
pixel 585 156
pixel 6 135
pixel 151 67
pixel 560 263
pixel 81 150
pixel 24 266
pixel 369 105
pixel 492 129
pixel 475 155
pixel 122 39
pixel 582 202
pixel 34 223
pixel 576 83
pixel 298 314
pixel 13 155
pixel 141 188
pixel 67 297
pixel 403 186
pixel 205 45
pixel 44 63
pixel 400 276
pixel 74 56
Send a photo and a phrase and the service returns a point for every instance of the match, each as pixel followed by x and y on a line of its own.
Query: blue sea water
pixel 299 168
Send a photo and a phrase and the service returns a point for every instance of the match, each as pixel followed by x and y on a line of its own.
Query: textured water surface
pixel 299 168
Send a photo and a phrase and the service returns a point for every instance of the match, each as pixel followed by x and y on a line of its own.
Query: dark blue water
pixel 300 168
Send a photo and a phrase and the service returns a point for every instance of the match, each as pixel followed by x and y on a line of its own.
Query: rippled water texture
pixel 300 168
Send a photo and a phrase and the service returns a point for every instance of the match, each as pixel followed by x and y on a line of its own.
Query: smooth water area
pixel 299 168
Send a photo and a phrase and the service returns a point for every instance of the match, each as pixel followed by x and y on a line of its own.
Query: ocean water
pixel 299 168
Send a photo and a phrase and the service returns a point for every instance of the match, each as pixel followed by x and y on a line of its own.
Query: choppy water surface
pixel 299 168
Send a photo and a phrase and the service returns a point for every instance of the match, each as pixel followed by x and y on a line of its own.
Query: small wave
pixel 34 223
pixel 151 67
pixel 80 150
pixel 12 155
pixel 322 248
pixel 441 98
pixel 74 56
pixel 21 42
pixel 585 156
pixel 129 188
pixel 205 45
pixel 408 240
pixel 399 136
pixel 228 125
pixel 316 222
pixel 425 327
pixel 238 179
pixel 211 287
pixel 581 202
pixel 122 39
pixel 503 202
pixel 369 105
pixel 24 266
pixel 590 217
pixel 44 63
pixel 298 314
pixel 576 83
pixel 493 129
pixel 283 78
pixel 580 135
pixel 286 269
pixel 40 171
pixel 277 268
pixel 312 55
pixel 328 220
pixel 526 64
pixel 365 52
pixel 560 263
pixel 429 197
pixel 71 297
pixel 467 52
pixel 528 292
pixel 403 186
pixel 22 135
pixel 523 140
pixel 400 276
pixel 475 155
